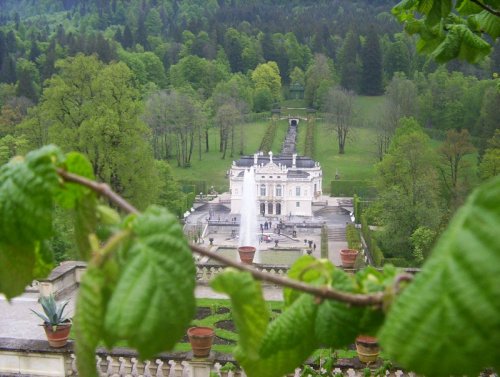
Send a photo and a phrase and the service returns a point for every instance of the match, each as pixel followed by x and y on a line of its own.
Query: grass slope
pixel 357 162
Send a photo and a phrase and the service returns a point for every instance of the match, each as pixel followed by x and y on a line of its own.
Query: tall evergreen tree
pixel 349 62
pixel 28 77
pixel 8 70
pixel 128 38
pixel 3 48
pixel 371 73
pixel 234 47
pixel 141 36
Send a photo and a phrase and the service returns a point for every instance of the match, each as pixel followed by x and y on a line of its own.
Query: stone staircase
pixel 336 234
pixel 329 210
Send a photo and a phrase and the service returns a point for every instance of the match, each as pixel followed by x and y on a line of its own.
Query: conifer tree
pixel 371 74
pixel 349 62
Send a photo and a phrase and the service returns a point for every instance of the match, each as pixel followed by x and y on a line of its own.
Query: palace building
pixel 286 185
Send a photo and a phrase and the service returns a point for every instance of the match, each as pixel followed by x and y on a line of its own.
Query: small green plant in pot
pixel 55 323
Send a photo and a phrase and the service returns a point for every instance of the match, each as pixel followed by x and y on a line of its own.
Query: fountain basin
pixel 281 257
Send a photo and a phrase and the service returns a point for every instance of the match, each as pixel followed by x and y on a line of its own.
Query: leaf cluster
pixel 448 31
pixel 307 323
pixel 140 282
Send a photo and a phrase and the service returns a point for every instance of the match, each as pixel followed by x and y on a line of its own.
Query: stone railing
pixel 204 273
pixel 66 277
pixel 63 279
pixel 36 358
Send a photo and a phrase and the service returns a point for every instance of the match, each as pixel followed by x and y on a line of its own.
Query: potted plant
pixel 246 254
pixel 201 339
pixel 348 257
pixel 367 348
pixel 55 323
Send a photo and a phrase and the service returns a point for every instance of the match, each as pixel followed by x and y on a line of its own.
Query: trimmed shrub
pixel 324 242
pixel 340 187
pixel 309 146
pixel 353 238
pixel 398 262
pixel 193 186
pixel 371 242
pixel 268 139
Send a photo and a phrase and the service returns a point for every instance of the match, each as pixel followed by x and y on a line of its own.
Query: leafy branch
pixel 140 281
pixel 486 7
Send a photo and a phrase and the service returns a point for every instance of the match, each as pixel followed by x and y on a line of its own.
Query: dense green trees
pixel 408 185
pixel 94 108
pixel 371 63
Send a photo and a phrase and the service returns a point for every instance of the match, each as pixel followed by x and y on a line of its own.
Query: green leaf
pixel 292 330
pixel 488 23
pixel 467 7
pixel 71 193
pixel 85 219
pixel 16 268
pixel 155 291
pixel 307 269
pixel 88 319
pixel 250 312
pixel 44 260
pixel 251 318
pixel 337 323
pixel 27 188
pixel 446 322
pixel 440 9
pixel 461 42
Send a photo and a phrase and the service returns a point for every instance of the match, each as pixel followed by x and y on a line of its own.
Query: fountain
pixel 248 243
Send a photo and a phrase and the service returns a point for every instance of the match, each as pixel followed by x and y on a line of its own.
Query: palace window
pixel 278 190
pixel 297 191
pixel 297 204
pixel 262 190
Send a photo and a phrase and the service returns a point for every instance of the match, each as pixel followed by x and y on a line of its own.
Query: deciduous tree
pixel 456 146
pixel 407 181
pixel 94 108
pixel 338 103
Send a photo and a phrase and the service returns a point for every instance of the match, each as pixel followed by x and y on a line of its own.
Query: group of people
pixel 267 225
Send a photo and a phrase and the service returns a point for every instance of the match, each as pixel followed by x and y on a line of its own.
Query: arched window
pixel 278 190
pixel 262 190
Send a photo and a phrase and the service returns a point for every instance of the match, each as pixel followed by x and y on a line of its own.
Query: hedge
pixel 324 242
pixel 268 138
pixel 363 188
pixel 353 238
pixel 371 243
pixel 310 134
pixel 193 186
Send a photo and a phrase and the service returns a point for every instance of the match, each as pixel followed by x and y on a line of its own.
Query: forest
pixel 147 87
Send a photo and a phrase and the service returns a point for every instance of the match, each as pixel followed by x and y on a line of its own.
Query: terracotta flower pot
pixel 367 348
pixel 201 339
pixel 348 257
pixel 57 337
pixel 246 254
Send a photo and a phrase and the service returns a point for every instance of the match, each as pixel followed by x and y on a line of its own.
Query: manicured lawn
pixel 212 168
pixel 356 163
pixel 281 131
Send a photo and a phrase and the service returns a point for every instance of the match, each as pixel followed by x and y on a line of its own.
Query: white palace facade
pixel 286 185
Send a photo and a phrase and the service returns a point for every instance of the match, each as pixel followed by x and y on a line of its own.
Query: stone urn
pixel 348 257
pixel 367 348
pixel 246 254
pixel 201 339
